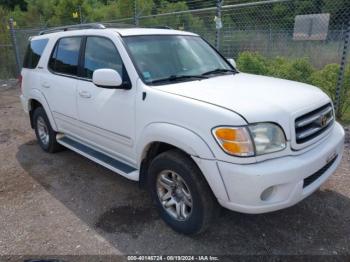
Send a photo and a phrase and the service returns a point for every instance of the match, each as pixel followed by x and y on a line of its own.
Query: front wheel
pixel 180 192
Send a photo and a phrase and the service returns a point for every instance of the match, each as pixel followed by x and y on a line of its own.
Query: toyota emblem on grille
pixel 323 120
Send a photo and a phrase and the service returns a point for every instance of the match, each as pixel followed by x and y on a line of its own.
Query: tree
pixel 11 4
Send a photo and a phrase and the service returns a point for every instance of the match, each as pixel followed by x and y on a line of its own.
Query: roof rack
pixel 94 26
pixel 72 27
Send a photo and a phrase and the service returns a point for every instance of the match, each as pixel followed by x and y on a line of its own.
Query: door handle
pixel 45 84
pixel 84 94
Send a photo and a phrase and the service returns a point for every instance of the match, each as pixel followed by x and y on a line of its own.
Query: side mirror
pixel 232 62
pixel 107 78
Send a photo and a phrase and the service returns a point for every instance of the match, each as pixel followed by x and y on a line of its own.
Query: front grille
pixel 310 179
pixel 314 123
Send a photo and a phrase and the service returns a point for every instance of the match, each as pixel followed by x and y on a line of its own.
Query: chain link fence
pixel 7 62
pixel 313 29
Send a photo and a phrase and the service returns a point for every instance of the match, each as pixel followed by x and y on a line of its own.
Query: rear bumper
pixel 24 103
pixel 246 183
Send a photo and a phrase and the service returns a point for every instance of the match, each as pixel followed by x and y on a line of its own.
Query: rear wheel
pixel 180 192
pixel 45 135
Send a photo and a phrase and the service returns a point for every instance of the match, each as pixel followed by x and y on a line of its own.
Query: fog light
pixel 266 194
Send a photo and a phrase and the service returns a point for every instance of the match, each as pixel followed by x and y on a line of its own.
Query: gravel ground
pixel 64 204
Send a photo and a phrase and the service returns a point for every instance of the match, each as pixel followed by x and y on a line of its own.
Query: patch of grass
pixel 345 120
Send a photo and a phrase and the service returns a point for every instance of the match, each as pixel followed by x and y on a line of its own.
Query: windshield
pixel 166 58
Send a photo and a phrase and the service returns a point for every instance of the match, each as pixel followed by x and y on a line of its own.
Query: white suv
pixel 164 108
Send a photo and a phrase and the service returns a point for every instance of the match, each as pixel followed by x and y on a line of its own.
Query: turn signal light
pixel 234 140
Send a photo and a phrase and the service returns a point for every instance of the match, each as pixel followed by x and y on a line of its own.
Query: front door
pixel 106 115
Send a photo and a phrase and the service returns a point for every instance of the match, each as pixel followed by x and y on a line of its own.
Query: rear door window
pixel 65 57
pixel 33 54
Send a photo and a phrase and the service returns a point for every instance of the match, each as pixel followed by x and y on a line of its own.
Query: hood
pixel 255 98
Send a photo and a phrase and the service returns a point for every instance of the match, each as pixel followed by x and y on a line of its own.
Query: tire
pixel 43 127
pixel 201 206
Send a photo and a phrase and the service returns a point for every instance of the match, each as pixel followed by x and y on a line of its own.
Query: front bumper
pixel 246 183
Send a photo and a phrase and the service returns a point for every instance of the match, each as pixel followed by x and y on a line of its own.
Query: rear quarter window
pixel 33 54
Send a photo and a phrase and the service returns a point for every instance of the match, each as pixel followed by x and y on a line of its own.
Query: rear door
pixel 30 71
pixel 59 84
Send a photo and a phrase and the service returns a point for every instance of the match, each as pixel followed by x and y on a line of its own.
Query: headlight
pixel 268 138
pixel 255 139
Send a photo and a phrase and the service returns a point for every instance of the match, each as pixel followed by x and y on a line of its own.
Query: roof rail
pixel 72 27
pixel 118 25
pixel 160 27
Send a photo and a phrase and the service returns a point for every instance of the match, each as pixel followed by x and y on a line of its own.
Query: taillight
pixel 20 79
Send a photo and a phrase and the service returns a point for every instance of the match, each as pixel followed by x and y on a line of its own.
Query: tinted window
pixel 101 53
pixel 65 57
pixel 34 51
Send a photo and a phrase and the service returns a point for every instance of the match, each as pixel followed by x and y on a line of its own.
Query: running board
pixel 100 158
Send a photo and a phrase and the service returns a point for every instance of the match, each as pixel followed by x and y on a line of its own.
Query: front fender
pixel 36 94
pixel 175 135
pixel 189 142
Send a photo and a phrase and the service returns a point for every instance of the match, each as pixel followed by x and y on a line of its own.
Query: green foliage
pixel 326 79
pixel 11 4
pixel 300 70
pixel 33 13
pixel 254 63
pixel 60 12
pixel 297 70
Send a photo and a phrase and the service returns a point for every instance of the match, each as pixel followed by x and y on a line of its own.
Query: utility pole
pixel 15 45
pixel 80 15
pixel 136 16
pixel 340 82
pixel 218 23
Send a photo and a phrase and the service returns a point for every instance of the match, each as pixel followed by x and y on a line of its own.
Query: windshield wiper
pixel 218 71
pixel 174 78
